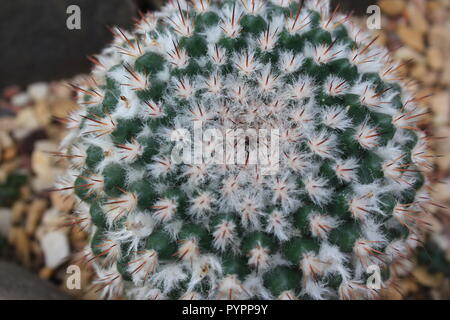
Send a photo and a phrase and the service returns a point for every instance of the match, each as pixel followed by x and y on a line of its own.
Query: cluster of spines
pixel 350 156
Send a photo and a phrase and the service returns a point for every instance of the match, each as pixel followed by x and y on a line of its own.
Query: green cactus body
pixel 348 190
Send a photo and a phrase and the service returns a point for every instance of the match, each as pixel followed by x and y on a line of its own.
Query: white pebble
pixel 38 91
pixel 20 99
pixel 56 248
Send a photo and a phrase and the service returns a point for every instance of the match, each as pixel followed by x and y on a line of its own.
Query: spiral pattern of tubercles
pixel 347 190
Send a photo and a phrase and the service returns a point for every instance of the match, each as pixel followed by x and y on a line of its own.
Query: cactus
pixel 349 191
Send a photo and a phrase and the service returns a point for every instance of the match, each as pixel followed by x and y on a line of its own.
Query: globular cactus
pixel 348 192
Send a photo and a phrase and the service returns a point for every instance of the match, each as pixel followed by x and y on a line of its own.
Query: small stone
pixel 7 168
pixel 408 286
pixel 439 37
pixel 418 71
pixel 18 210
pixel 12 235
pixel 5 139
pixel 417 19
pixel 37 252
pixel 25 192
pixel 9 153
pixel 392 7
pixel 445 78
pixel 443 162
pixel 46 273
pixel 430 78
pixel 23 246
pixel 77 235
pixel 27 119
pixel 433 5
pixel 52 220
pixel 440 105
pixel 426 279
pixel 402 288
pixel 61 108
pixel 61 90
pixel 411 38
pixel 46 180
pixel 7 123
pixel 61 201
pixel 34 216
pixel 441 193
pixel 38 91
pixel 391 293
pixel 434 225
pixel 42 160
pixel 20 100
pixel 43 112
pixel 43 164
pixel 56 248
pixel 55 133
pixel 5 221
pixel 21 133
pixel 434 58
pixel 406 53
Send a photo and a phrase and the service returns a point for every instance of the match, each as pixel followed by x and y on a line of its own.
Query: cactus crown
pixel 348 191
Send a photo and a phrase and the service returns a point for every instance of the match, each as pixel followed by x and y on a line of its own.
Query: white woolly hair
pixel 254 95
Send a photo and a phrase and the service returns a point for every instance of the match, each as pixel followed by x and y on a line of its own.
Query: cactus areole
pixel 348 191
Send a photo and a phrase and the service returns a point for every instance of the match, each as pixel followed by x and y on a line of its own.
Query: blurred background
pixel 40 55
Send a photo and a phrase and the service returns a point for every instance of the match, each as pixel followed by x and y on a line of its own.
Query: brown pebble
pixel 18 210
pixel 77 235
pixel 434 58
pixel 46 273
pixel 426 279
pixel 439 37
pixel 61 108
pixel 61 201
pixel 7 123
pixel 440 105
pixel 12 235
pixel 43 112
pixel 430 78
pixel 25 192
pixel 418 71
pixel 392 7
pixel 34 216
pixel 445 78
pixel 8 167
pixel 391 293
pixel 417 19
pixel 411 37
pixel 23 247
pixel 36 248
pixel 9 153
